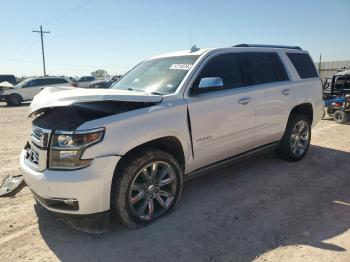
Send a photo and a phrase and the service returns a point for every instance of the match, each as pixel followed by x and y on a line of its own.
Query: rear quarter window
pixel 303 64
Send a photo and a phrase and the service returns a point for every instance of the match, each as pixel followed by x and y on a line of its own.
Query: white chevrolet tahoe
pixel 127 149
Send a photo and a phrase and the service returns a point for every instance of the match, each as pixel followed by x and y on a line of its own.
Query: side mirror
pixel 211 83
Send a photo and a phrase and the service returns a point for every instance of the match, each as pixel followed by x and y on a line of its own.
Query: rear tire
pixel 340 117
pixel 146 187
pixel 296 139
pixel 14 100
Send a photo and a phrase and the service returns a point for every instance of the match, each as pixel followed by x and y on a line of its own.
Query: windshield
pixel 157 76
pixel 21 84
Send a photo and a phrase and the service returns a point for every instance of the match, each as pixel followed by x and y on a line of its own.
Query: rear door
pixel 273 92
pixel 222 121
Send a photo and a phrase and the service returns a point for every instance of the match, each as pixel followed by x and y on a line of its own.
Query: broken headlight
pixel 67 148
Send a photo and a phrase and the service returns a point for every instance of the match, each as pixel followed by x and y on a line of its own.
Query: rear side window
pixel 43 82
pixel 225 66
pixel 55 81
pixel 303 64
pixel 263 68
pixel 86 78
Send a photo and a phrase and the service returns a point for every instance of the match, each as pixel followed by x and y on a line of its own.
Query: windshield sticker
pixel 180 66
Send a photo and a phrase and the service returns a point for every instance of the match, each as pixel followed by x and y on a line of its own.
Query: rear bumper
pixel 81 192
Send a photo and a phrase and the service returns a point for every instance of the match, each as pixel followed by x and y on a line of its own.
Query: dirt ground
pixel 261 209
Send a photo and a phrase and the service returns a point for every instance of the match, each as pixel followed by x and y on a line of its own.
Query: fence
pixel 330 68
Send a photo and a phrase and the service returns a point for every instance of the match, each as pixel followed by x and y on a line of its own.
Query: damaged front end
pixel 70 117
pixel 57 144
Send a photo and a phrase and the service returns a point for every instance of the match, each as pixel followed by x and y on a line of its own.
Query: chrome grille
pixel 37 133
pixel 35 157
pixel 40 136
pixel 36 148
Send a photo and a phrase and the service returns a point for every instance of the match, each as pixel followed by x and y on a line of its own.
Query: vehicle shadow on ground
pixel 236 213
pixel 3 104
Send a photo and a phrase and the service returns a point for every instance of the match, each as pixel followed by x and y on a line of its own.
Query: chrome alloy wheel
pixel 152 192
pixel 300 138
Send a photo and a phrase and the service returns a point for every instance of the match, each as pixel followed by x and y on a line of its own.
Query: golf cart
pixel 337 98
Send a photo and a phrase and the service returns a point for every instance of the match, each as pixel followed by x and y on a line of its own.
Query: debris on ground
pixel 11 185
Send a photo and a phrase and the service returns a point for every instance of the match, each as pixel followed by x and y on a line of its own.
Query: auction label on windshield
pixel 180 66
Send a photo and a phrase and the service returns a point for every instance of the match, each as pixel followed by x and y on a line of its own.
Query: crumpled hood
pixel 64 96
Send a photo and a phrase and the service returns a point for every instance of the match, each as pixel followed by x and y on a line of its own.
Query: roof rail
pixel 270 46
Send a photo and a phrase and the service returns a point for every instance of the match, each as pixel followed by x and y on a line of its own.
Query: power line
pixel 70 11
pixel 42 44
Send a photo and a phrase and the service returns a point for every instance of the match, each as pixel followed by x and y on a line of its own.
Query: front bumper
pixel 87 190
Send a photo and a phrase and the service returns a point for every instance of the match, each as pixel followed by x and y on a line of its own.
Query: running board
pixel 229 161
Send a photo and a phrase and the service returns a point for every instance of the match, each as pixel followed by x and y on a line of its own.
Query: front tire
pixel 146 187
pixel 340 117
pixel 296 139
pixel 14 100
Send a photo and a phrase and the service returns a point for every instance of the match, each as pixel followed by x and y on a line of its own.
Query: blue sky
pixel 115 35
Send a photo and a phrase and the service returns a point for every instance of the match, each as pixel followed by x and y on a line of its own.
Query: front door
pixel 222 120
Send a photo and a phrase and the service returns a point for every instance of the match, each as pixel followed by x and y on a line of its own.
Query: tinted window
pixel 43 82
pixel 263 68
pixel 225 66
pixel 303 64
pixel 86 78
pixel 339 82
pixel 32 83
pixel 347 83
pixel 55 81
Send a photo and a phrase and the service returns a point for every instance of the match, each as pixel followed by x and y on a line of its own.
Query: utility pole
pixel 319 65
pixel 42 45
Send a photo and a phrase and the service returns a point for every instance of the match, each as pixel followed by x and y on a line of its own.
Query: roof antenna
pixel 194 49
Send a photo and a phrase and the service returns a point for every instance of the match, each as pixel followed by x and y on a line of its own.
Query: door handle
pixel 285 92
pixel 244 101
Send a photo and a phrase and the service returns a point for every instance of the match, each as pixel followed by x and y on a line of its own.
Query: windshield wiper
pixel 157 93
pixel 135 90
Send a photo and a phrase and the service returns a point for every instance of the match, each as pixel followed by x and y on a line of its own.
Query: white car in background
pixel 85 81
pixel 27 89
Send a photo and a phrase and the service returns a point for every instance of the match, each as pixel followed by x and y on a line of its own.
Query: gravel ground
pixel 261 209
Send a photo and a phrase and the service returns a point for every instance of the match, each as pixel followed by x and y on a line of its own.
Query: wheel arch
pixel 8 96
pixel 169 144
pixel 303 109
